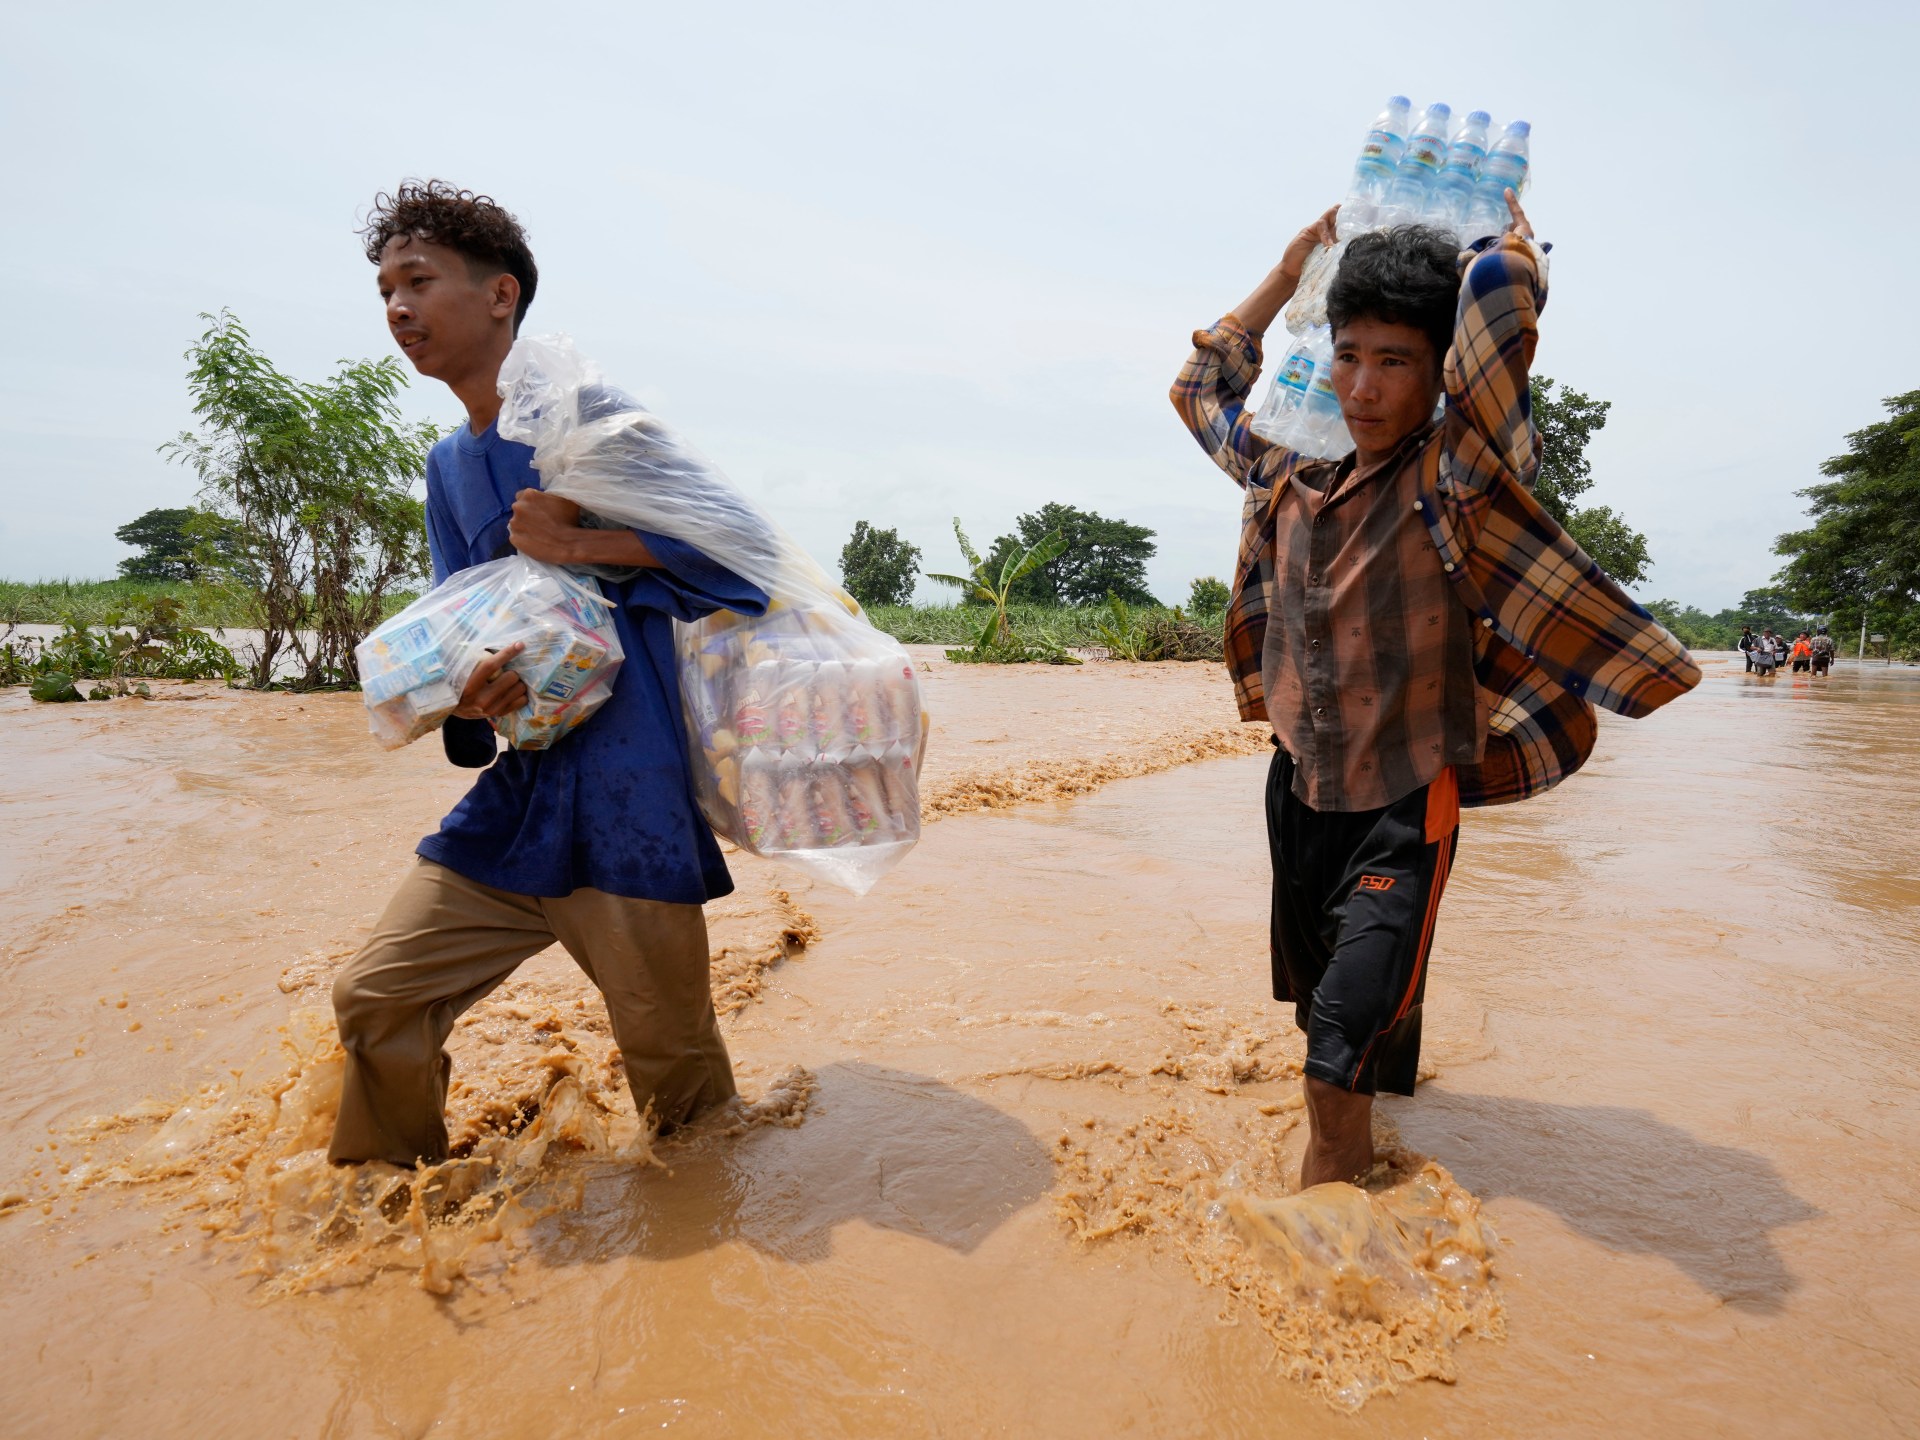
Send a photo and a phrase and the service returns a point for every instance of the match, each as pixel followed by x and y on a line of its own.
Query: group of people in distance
pixel 1768 650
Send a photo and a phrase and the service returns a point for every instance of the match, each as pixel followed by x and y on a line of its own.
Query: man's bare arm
pixel 1257 311
pixel 546 527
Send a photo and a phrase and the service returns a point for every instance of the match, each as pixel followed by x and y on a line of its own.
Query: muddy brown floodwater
pixel 1015 1157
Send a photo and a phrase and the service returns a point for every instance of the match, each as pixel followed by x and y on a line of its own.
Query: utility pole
pixel 1863 634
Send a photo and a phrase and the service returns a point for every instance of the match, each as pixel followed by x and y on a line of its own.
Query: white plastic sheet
pixel 806 727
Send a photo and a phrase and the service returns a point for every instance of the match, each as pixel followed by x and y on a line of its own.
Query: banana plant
pixel 996 590
pixel 1117 630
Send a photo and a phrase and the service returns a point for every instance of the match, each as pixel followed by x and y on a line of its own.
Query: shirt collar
pixel 474 444
pixel 1338 486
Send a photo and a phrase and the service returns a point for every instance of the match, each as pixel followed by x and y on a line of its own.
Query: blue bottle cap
pixel 1440 108
pixel 1519 127
pixel 1481 116
pixel 1399 100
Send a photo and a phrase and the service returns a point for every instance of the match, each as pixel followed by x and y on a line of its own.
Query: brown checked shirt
pixel 1430 613
pixel 1369 677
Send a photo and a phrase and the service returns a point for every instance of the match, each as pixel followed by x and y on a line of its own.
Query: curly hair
pixel 477 226
pixel 1403 275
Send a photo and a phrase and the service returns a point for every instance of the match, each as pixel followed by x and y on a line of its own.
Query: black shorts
pixel 1355 895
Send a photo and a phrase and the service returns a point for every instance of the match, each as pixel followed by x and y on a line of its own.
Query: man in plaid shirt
pixel 1419 632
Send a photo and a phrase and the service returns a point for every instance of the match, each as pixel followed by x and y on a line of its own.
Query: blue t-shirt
pixel 610 807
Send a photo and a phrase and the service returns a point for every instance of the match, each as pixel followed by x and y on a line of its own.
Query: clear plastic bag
pixel 414 667
pixel 806 727
pixel 1307 310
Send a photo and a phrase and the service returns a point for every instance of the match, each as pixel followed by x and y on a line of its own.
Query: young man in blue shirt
pixel 595 843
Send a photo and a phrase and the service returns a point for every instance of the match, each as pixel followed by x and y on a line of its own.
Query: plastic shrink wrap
pixel 414 667
pixel 806 726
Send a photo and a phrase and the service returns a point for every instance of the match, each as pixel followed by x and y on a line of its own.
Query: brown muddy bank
pixel 1670 1016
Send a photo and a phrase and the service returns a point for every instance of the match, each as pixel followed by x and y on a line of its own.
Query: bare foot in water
pixel 1339 1134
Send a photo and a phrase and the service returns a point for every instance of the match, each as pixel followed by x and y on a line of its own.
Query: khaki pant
pixel 445 941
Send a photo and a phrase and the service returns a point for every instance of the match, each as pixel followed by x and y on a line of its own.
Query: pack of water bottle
pixel 1301 411
pixel 1433 172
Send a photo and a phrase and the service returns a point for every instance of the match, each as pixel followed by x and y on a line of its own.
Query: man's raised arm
pixel 1503 289
pixel 1212 388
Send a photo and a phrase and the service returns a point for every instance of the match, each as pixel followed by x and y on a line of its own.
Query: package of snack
pixel 805 726
pixel 414 667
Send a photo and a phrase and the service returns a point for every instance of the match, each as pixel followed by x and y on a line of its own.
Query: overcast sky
pixel 902 263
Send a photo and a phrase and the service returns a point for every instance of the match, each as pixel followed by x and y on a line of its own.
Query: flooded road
pixel 1043 1109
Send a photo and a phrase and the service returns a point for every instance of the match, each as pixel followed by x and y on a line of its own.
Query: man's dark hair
pixel 1404 275
pixel 475 225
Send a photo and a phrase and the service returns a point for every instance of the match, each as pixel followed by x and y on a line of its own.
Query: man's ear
pixel 503 296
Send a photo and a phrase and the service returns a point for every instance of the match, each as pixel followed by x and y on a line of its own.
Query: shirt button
pixel 1418 506
pixel 1316 644
pixel 1320 710
pixel 1446 565
pixel 1488 622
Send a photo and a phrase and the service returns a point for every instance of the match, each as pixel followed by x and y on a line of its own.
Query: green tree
pixel 878 567
pixel 1695 628
pixel 1615 546
pixel 1860 559
pixel 316 481
pixel 165 546
pixel 1102 557
pixel 1209 596
pixel 1567 421
pixel 178 544
pixel 1770 606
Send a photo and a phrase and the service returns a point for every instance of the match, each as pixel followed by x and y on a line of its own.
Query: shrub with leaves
pixel 1209 595
pixel 1130 634
pixel 117 659
pixel 312 489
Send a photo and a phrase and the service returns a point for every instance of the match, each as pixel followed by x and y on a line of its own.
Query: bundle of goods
pixel 1439 175
pixel 811 735
pixel 414 667
pixel 805 726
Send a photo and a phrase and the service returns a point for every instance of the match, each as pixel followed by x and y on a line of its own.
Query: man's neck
pixel 1370 459
pixel 479 388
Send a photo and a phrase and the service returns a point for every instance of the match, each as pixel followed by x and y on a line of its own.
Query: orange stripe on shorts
pixel 1443 804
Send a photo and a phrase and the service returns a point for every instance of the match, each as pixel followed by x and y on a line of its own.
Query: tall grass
pixel 91 602
pixel 1067 625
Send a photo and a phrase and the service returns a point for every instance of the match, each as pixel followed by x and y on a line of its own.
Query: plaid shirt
pixel 1552 635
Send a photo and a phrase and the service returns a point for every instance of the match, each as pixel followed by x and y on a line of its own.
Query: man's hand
pixel 1316 233
pixel 1519 225
pixel 1258 310
pixel 545 527
pixel 493 690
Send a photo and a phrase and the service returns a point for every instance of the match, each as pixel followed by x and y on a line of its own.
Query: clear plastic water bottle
pixel 1373 172
pixel 1367 191
pixel 1285 396
pixel 1322 431
pixel 1453 186
pixel 1504 169
pixel 1419 166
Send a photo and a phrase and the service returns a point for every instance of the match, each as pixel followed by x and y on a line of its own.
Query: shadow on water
pixel 1624 1179
pixel 899 1151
